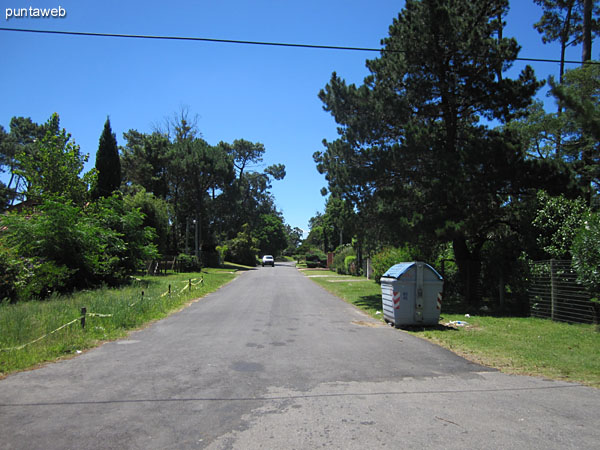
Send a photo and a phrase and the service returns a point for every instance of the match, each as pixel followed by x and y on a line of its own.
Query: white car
pixel 268 259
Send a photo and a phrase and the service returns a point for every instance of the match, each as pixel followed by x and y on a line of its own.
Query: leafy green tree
pixel 21 138
pixel 243 249
pixel 557 221
pixel 248 196
pixel 586 258
pixel 155 216
pixel 127 242
pixel 145 162
pixel 206 169
pixel 108 164
pixel 270 234
pixel 586 252
pixel 294 239
pixel 580 94
pixel 245 154
pixel 53 165
pixel 411 142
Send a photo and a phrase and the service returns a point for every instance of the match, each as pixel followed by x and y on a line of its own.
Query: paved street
pixel 273 361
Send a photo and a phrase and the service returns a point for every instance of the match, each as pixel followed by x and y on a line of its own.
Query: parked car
pixel 268 259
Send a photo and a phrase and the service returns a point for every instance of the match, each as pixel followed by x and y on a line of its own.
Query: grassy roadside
pixel 111 314
pixel 528 346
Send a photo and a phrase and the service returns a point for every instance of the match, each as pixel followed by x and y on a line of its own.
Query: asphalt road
pixel 272 361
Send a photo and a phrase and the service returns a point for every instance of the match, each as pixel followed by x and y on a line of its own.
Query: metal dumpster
pixel 411 294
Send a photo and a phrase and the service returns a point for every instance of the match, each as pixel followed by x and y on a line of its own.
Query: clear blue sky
pixel 262 94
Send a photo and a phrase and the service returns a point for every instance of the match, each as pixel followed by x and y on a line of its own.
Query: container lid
pixel 400 269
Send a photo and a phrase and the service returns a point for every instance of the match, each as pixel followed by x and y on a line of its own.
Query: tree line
pixel 444 157
pixel 162 194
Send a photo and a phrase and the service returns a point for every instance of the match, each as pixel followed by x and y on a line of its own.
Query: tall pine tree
pixel 108 164
pixel 412 145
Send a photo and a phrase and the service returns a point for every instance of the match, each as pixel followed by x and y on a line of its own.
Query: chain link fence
pixel 554 293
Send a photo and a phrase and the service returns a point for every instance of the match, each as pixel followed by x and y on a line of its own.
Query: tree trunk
pixel 586 53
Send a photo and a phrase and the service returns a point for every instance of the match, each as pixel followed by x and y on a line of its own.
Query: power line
pixel 187 38
pixel 243 42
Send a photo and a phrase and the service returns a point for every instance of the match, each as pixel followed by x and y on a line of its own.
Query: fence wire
pixel 554 293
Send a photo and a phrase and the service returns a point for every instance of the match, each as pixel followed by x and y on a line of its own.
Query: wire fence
pixel 191 283
pixel 555 293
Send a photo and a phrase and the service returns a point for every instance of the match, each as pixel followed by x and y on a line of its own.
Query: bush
pixel 388 257
pixel 64 247
pixel 316 259
pixel 586 253
pixel 350 265
pixel 188 263
pixel 243 248
pixel 10 268
pixel 339 260
pixel 222 251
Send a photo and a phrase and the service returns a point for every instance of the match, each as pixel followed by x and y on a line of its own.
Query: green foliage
pixel 339 260
pixel 51 166
pixel 145 161
pixel 156 216
pixel 188 263
pixel 59 233
pixel 388 257
pixel 222 252
pixel 10 270
pixel 580 95
pixel 440 174
pixel 586 253
pixel 557 221
pixel 294 239
pixel 316 259
pixel 108 164
pixel 243 249
pixel 130 243
pixel 270 234
pixel 336 226
pixel 62 246
pixel 350 265
pixel 25 322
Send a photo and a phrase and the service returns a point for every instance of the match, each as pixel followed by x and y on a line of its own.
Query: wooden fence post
pixel 83 312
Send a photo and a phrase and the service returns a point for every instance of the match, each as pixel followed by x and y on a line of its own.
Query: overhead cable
pixel 244 42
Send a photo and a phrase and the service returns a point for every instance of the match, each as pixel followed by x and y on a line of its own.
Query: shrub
pixel 339 260
pixel 243 248
pixel 64 247
pixel 10 268
pixel 350 265
pixel 188 263
pixel 222 251
pixel 388 257
pixel 586 259
pixel 316 259
pixel 586 253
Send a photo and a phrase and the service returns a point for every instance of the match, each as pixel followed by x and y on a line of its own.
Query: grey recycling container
pixel 411 294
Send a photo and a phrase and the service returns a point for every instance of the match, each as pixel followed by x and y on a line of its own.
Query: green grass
pixel 356 290
pixel 526 346
pixel 25 322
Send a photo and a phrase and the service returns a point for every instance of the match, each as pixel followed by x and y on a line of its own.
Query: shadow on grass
pixel 419 328
pixel 369 302
pixel 374 302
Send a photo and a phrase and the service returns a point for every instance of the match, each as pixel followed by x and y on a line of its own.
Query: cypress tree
pixel 108 163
